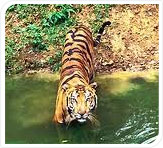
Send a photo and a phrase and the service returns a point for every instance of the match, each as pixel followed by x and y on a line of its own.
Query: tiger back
pixel 78 53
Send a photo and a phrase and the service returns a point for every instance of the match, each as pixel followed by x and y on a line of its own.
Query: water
pixel 127 110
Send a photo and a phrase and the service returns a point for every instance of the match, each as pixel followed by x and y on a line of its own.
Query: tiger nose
pixel 83 115
pixel 82 111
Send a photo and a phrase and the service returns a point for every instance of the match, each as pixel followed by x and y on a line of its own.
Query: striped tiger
pixel 76 97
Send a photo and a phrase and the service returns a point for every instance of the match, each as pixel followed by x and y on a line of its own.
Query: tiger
pixel 76 96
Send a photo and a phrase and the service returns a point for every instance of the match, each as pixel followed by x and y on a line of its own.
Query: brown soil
pixel 132 41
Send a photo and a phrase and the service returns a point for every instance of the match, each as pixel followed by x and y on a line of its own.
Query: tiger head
pixel 80 101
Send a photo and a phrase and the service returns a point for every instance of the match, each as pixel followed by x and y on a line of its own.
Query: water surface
pixel 127 110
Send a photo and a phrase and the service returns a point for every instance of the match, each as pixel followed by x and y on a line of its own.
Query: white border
pixel 2 69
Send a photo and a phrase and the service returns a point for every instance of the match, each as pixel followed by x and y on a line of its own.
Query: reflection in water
pixel 127 110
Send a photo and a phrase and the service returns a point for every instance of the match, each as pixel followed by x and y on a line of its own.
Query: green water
pixel 127 110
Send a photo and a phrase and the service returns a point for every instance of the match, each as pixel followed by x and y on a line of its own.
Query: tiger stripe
pixel 81 39
pixel 79 52
pixel 77 73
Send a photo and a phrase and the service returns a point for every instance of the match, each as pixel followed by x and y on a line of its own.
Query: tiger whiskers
pixel 69 120
pixel 68 125
pixel 93 119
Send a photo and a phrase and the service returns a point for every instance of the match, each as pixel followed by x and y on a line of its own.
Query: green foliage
pixel 56 18
pixel 57 23
pixel 101 11
pixel 55 61
pixel 36 38
pixel 11 61
pixel 37 27
pixel 25 11
pixel 9 54
pixel 40 28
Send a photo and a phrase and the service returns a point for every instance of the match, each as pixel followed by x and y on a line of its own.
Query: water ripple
pixel 139 128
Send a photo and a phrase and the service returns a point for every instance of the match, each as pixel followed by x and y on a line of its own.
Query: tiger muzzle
pixel 81 117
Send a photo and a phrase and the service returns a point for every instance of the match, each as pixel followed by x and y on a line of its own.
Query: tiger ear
pixel 93 85
pixel 65 87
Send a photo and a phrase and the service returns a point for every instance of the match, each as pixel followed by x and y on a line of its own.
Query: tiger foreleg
pixel 59 112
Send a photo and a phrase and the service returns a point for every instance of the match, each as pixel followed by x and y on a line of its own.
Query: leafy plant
pixel 36 38
pixel 55 61
pixel 56 66
pixel 57 23
pixel 11 64
pixel 9 54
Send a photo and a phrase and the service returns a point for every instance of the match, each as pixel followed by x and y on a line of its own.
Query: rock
pixel 107 63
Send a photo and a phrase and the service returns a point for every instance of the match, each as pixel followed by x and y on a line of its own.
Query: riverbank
pixel 35 40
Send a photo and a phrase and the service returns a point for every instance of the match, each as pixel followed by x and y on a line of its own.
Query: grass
pixel 37 28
